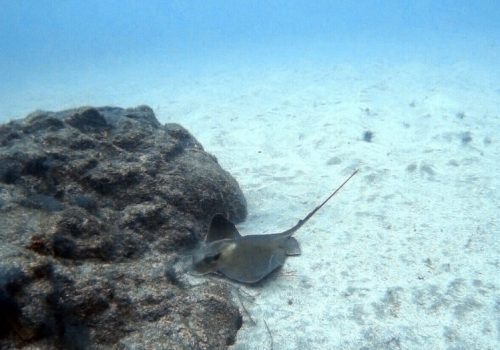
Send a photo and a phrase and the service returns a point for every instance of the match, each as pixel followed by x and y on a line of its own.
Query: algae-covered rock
pixel 96 207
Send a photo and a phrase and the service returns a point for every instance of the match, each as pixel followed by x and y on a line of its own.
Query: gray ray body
pixel 247 259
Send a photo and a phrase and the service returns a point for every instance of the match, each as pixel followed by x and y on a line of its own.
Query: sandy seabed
pixel 407 255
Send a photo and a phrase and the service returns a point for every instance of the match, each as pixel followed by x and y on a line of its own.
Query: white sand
pixel 407 255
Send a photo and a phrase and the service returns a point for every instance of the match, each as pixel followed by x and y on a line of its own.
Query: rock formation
pixel 97 207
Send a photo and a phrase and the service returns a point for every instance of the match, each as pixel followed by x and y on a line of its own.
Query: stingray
pixel 247 259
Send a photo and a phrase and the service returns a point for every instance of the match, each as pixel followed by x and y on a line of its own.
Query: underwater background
pixel 291 97
pixel 105 50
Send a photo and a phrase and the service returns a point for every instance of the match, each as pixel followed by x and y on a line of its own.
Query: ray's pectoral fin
pixel 291 246
pixel 221 228
pixel 277 260
pixel 264 263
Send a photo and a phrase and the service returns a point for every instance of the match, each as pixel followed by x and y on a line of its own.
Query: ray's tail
pixel 304 220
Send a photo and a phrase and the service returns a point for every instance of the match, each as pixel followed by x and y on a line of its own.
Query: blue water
pixel 49 42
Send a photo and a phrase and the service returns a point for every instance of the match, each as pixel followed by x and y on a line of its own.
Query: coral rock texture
pixel 97 207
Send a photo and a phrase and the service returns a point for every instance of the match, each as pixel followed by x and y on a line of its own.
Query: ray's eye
pixel 212 258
